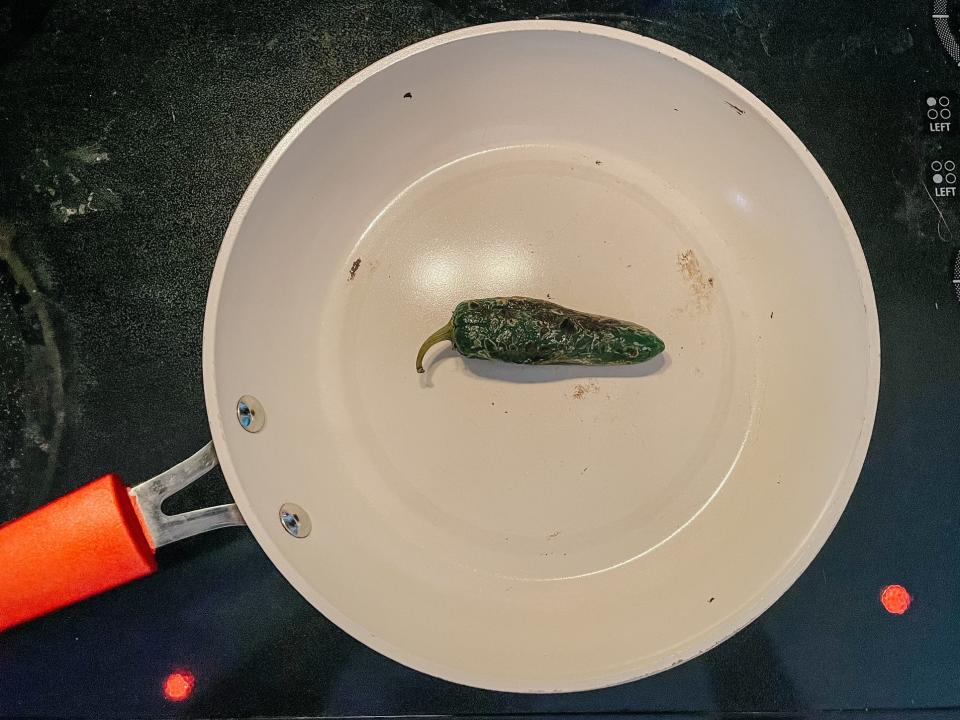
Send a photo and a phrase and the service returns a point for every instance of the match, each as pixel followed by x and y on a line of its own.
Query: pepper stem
pixel 444 333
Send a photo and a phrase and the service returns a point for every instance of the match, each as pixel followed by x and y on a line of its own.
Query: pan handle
pixel 97 537
pixel 164 529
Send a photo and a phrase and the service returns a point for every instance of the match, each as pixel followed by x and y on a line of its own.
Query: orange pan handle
pixel 96 538
pixel 84 543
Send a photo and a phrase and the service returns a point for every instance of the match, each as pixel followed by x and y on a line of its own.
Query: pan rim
pixel 690 647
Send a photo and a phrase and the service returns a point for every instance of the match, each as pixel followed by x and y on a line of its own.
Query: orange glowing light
pixel 896 600
pixel 178 685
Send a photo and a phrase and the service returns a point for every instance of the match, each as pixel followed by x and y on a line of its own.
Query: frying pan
pixel 534 529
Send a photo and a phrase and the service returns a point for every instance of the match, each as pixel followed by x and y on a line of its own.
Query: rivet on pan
pixel 250 413
pixel 295 520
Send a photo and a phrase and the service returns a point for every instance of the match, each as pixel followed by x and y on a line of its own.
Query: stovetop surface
pixel 128 132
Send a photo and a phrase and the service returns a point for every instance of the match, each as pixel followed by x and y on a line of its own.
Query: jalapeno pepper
pixel 538 332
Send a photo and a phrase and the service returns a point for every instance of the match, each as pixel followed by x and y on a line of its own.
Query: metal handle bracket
pixel 165 529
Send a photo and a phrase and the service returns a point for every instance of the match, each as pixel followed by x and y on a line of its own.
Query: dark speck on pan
pixel 353 269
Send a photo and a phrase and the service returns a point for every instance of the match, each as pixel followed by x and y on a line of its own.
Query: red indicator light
pixel 896 600
pixel 178 685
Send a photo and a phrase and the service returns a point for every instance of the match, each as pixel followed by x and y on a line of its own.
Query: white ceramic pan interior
pixel 542 528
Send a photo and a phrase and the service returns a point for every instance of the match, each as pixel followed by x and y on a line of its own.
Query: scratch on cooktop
pixel 942 219
pixel 23 278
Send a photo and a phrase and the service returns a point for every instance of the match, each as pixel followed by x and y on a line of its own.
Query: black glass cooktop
pixel 129 130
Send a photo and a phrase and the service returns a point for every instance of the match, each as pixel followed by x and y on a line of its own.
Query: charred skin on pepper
pixel 539 332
